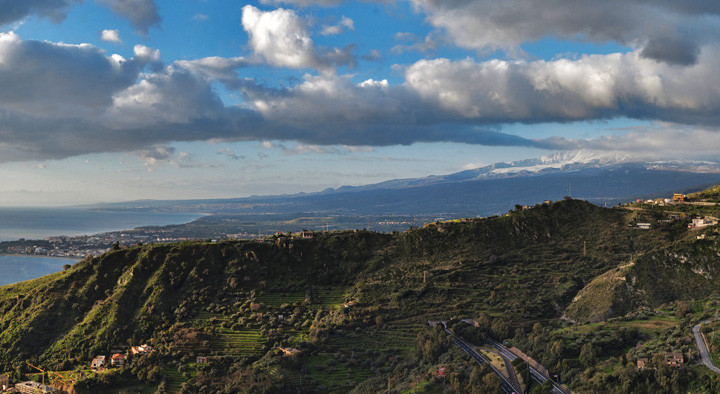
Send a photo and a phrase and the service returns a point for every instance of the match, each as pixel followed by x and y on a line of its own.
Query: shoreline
pixel 76 259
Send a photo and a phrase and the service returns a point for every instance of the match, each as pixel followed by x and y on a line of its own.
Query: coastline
pixel 18 268
pixel 47 223
pixel 76 259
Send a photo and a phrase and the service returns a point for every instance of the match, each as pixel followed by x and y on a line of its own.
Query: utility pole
pixel 424 276
pixel 584 248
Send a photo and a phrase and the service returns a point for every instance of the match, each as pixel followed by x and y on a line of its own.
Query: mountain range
pixel 604 179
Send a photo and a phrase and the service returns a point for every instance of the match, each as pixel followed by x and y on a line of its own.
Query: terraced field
pixel 276 300
pixel 331 297
pixel 648 326
pixel 244 342
pixel 207 316
pixel 299 380
pixel 174 380
pixel 397 337
pixel 333 375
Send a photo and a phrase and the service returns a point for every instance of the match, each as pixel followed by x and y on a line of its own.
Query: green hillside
pixel 606 296
pixel 354 303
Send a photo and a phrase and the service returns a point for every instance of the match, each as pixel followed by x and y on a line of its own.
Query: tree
pixel 500 329
pixel 492 383
pixel 537 329
pixel 475 379
pixel 556 349
pixel 588 357
pixel 682 310
pixel 432 343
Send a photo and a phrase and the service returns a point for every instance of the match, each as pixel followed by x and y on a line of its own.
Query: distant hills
pixel 603 180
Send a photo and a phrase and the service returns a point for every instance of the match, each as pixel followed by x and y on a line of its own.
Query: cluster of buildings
pixel 99 363
pixel 673 359
pixel 118 359
pixel 305 234
pixel 676 198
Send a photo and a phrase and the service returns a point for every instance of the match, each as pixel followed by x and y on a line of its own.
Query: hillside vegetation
pixel 354 303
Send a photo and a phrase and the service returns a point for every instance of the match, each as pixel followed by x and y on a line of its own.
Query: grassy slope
pixel 605 296
pixel 527 266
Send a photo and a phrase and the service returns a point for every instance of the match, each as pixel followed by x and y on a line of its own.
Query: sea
pixel 15 269
pixel 40 223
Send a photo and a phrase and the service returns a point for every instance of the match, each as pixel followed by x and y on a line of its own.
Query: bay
pixel 40 223
pixel 15 269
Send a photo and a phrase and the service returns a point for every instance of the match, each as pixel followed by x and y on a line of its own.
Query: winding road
pixel 703 348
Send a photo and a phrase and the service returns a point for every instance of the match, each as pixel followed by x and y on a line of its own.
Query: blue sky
pixel 111 100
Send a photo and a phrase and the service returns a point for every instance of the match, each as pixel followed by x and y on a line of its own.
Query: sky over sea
pixel 110 100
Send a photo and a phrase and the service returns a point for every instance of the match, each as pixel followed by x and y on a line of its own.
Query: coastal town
pixel 94 245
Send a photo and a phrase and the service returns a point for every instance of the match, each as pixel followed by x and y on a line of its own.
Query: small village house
pixel 642 363
pixel 288 351
pixel 142 349
pixel 201 360
pixel 674 360
pixel 117 360
pixel 98 363
pixel 701 222
pixel 644 226
pixel 677 197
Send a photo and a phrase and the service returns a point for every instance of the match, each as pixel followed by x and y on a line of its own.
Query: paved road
pixel 534 373
pixel 500 348
pixel 512 376
pixel 702 347
pixel 507 387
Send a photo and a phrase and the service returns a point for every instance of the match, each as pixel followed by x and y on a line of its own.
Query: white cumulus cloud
pixel 282 38
pixel 110 36
pixel 146 54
